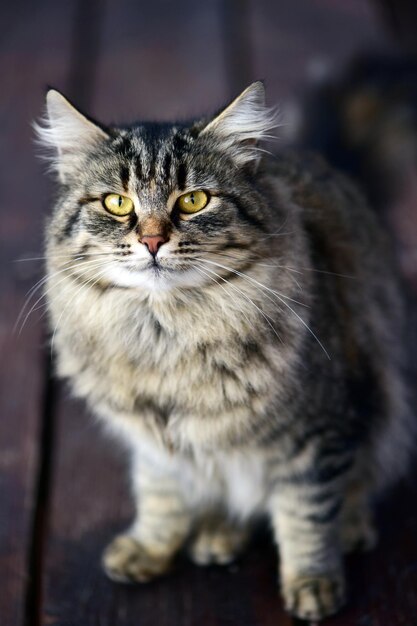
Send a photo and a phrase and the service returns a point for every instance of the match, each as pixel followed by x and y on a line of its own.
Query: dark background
pixel 63 487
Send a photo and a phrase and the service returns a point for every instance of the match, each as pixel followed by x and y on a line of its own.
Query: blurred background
pixel 344 73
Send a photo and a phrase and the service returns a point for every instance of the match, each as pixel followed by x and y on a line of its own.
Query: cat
pixel 237 320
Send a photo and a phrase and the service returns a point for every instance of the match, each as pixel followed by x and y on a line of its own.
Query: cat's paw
pixel 314 597
pixel 218 546
pixel 358 534
pixel 125 560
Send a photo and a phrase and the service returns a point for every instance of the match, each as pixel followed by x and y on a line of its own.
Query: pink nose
pixel 153 243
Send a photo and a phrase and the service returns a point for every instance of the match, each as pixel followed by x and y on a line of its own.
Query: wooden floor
pixel 63 488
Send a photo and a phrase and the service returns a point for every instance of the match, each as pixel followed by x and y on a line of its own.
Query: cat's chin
pixel 155 279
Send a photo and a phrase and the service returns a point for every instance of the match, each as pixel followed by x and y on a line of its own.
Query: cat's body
pixel 257 371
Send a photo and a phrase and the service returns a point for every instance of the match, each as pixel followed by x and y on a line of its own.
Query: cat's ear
pixel 243 123
pixel 66 134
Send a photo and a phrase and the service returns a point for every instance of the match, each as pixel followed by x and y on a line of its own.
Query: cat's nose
pixel 153 243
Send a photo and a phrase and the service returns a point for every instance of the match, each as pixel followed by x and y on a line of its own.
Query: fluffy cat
pixel 236 319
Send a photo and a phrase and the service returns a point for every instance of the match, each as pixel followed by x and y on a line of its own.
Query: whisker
pixel 87 284
pixel 70 257
pixel 244 257
pixel 266 295
pixel 39 284
pixel 273 301
pixel 302 269
pixel 46 277
pixel 280 234
pixel 312 269
pixel 280 297
pixel 253 280
pixel 264 315
pixel 268 152
pixel 252 256
pixel 90 264
pixel 201 271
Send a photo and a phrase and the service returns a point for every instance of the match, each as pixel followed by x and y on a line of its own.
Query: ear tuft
pixel 65 134
pixel 245 122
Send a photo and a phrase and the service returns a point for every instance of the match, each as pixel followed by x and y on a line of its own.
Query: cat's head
pixel 158 205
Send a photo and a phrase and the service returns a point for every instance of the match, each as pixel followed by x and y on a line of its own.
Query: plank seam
pixel 42 490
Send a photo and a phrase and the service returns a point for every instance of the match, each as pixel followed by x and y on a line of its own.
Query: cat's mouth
pixel 155 266
pixel 155 275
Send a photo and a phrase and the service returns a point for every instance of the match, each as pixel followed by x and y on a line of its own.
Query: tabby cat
pixel 236 319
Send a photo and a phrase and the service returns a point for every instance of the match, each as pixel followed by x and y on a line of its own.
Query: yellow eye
pixel 192 202
pixel 118 205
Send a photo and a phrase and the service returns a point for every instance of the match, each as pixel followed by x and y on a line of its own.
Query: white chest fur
pixel 233 480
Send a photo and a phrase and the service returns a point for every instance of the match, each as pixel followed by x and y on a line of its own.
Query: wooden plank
pixel 383 584
pixel 29 34
pixel 19 428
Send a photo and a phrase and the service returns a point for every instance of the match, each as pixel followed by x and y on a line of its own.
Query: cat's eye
pixel 118 205
pixel 192 201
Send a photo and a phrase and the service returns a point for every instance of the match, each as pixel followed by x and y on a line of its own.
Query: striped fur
pixel 257 369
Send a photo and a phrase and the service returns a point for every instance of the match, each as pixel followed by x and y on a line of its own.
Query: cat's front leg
pixel 163 521
pixel 304 513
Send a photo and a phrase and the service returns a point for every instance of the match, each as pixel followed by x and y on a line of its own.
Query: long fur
pixel 255 368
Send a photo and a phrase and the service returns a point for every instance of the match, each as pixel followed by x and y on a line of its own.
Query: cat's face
pixel 159 205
